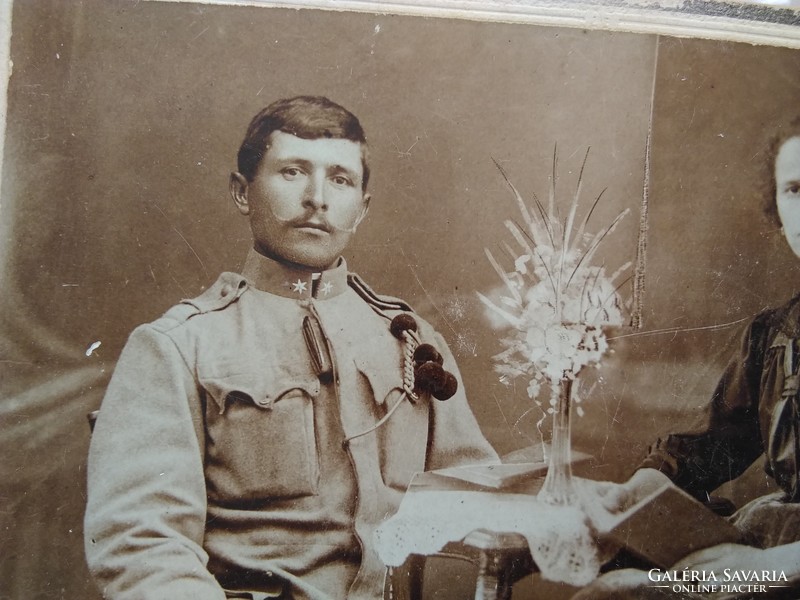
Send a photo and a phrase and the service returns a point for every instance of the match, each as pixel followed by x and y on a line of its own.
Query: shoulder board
pixel 225 291
pixel 370 297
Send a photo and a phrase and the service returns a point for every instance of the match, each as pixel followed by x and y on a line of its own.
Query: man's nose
pixel 314 196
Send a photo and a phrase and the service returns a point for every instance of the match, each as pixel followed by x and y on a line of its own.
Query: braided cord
pixel 412 341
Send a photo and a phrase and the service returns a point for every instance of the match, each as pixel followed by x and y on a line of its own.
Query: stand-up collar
pixel 271 276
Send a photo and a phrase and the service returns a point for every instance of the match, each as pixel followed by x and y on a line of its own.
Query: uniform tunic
pixel 220 461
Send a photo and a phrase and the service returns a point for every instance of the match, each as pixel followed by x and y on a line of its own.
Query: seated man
pixel 252 438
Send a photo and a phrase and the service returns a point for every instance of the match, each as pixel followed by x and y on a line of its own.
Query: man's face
pixel 305 200
pixel 787 188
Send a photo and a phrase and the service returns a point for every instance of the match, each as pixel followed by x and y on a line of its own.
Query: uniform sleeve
pixel 727 438
pixel 455 437
pixel 146 507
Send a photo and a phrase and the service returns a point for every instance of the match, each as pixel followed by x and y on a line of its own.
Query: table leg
pixel 405 581
pixel 493 582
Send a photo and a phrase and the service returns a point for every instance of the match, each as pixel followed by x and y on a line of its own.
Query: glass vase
pixel 559 488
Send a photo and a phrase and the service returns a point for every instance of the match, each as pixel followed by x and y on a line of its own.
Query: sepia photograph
pixel 350 300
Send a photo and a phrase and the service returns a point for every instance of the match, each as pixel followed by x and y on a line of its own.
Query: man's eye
pixel 342 180
pixel 291 173
pixel 793 188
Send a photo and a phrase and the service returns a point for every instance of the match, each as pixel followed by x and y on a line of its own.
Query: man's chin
pixel 315 266
pixel 306 261
pixel 310 252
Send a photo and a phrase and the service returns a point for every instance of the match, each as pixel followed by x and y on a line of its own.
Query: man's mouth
pixel 319 226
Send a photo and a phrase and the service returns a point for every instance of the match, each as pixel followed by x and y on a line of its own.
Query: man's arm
pixel 456 438
pixel 146 510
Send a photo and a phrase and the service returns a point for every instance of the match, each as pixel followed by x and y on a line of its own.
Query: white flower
pixel 559 301
pixel 520 265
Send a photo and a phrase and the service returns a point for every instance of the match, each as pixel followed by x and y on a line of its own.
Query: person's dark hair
pixel 307 117
pixel 783 133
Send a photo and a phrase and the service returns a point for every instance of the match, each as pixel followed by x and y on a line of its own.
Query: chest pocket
pixel 403 438
pixel 261 437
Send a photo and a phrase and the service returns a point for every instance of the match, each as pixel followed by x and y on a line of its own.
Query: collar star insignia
pixel 299 286
pixel 327 287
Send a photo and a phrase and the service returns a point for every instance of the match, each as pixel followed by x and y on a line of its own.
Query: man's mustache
pixel 313 219
pixel 310 219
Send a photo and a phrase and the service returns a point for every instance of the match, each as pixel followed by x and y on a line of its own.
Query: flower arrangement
pixel 556 303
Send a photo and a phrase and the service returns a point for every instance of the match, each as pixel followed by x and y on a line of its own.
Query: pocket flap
pixel 384 377
pixel 259 387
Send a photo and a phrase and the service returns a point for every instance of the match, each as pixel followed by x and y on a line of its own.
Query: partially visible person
pixel 753 411
pixel 252 438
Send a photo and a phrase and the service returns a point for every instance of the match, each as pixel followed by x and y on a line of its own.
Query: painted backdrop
pixel 123 124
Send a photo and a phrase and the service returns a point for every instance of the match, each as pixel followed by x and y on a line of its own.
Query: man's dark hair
pixel 789 130
pixel 307 117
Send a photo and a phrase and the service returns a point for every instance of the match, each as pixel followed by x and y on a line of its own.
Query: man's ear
pixel 238 189
pixel 364 211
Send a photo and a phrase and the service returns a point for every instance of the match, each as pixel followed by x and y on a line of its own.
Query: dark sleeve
pixel 146 508
pixel 727 438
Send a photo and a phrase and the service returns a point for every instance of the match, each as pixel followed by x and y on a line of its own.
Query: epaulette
pixel 225 290
pixel 369 296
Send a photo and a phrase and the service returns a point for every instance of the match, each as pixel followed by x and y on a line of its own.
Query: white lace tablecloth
pixel 561 539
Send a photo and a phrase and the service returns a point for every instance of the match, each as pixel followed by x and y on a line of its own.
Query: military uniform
pixel 228 455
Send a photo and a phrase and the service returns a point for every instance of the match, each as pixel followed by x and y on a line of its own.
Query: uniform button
pixel 264 402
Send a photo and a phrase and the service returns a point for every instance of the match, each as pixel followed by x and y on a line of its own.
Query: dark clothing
pixel 753 411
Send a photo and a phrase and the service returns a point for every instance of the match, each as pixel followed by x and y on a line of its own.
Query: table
pixel 508 533
pixel 492 529
pixel 502 560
